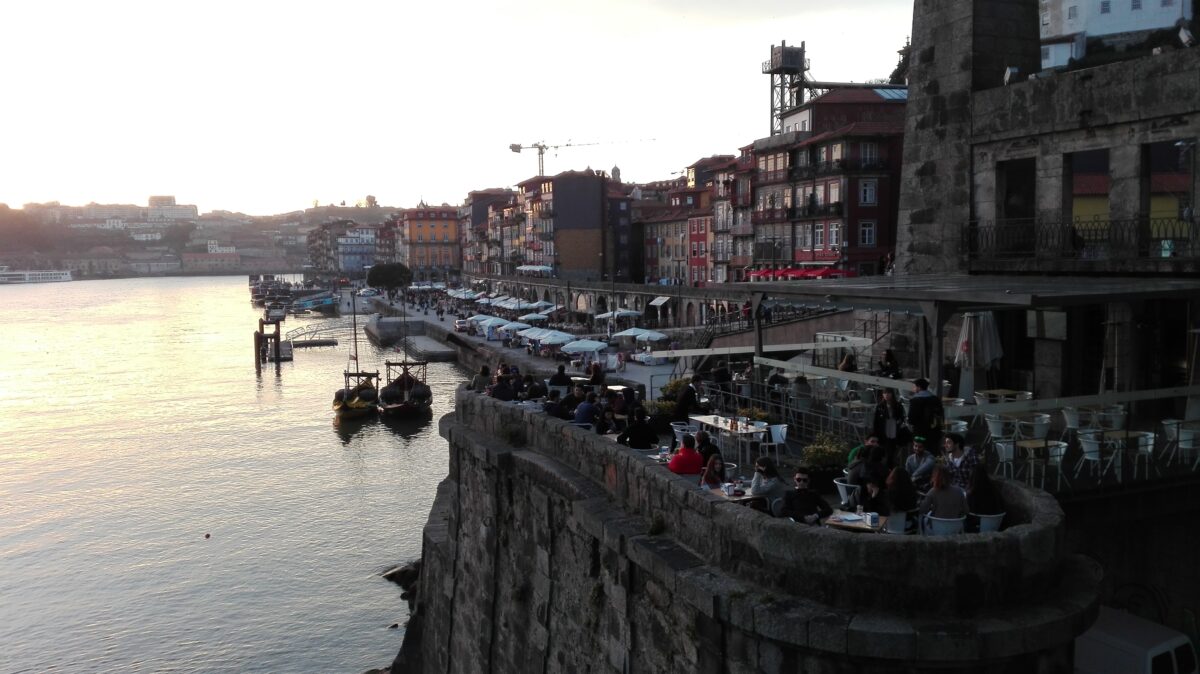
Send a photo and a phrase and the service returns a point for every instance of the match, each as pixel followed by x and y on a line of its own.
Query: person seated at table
pixel 572 400
pixel 803 504
pixel 587 411
pixel 777 379
pixel 534 389
pixel 944 500
pixel 983 494
pixel 714 472
pixel 501 390
pixel 553 405
pixel 960 461
pixel 482 380
pixel 860 453
pixel 687 460
pixel 706 446
pixel 607 421
pixel 871 496
pixel 639 434
pixel 919 464
pixel 618 403
pixel 560 378
pixel 597 375
pixel 902 496
pixel 873 468
pixel 768 484
pixel 889 367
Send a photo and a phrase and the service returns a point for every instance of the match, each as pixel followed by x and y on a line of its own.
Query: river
pixel 163 508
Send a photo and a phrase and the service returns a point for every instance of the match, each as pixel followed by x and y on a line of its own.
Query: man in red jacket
pixel 687 461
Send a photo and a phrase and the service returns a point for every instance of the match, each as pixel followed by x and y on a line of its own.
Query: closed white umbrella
pixel 584 346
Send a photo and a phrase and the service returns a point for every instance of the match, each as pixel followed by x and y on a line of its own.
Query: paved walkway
pixel 651 376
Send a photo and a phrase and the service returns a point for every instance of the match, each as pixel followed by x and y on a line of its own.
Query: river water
pixel 132 424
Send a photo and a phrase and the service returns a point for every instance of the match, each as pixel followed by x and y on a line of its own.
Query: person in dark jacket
pixel 639 434
pixel 925 415
pixel 560 378
pixel 803 504
pixel 889 424
pixel 688 401
pixel 706 446
pixel 553 406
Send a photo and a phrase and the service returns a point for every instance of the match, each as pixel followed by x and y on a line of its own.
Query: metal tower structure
pixel 787 68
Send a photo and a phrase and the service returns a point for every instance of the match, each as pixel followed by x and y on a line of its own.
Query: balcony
pixel 769 215
pixel 546 213
pixel 721 256
pixel 1140 244
pixel 742 199
pixel 826 167
pixel 776 176
pixel 545 236
pixel 743 229
pixel 740 261
pixel 871 164
pixel 803 172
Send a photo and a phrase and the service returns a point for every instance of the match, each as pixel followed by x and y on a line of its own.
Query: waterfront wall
pixel 550 549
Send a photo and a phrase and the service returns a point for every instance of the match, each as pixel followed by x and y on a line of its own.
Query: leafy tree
pixel 372 202
pixel 391 276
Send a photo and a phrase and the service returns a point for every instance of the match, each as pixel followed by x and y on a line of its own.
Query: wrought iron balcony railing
pixel 1097 240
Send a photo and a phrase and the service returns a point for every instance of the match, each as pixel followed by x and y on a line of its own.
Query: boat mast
pixel 354 322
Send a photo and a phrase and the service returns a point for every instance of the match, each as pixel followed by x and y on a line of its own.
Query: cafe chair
pixel 1112 419
pixel 941 526
pixel 1171 442
pixel 845 490
pixel 1093 455
pixel 1073 421
pixel 999 430
pixel 776 439
pixel 1144 455
pixel 1005 456
pixel 897 523
pixel 988 523
pixel 1189 442
pixel 956 426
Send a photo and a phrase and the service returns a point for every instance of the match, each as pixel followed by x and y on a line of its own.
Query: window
pixel 866 233
pixel 1106 6
pixel 1073 11
pixel 805 233
pixel 870 154
pixel 835 234
pixel 835 192
pixel 866 192
pixel 818 236
pixel 1135 5
pixel 1045 54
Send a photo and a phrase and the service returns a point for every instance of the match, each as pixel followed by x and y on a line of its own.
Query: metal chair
pixel 1093 454
pixel 1056 450
pixel 776 438
pixel 989 523
pixel 942 526
pixel 1005 456
pixel 1144 455
pixel 897 523
pixel 845 489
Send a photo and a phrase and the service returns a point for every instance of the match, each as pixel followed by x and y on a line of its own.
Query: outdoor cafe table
pixel 1000 394
pixel 835 521
pixel 724 426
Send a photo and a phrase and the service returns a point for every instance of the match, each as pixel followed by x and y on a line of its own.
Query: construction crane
pixel 541 148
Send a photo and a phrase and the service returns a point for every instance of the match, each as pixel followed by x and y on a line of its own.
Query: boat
pixel 359 396
pixel 34 276
pixel 406 395
pixel 275 311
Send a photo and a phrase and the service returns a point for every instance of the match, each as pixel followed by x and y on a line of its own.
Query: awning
pixel 659 301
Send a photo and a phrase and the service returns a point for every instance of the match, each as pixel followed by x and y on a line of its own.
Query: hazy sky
pixel 263 106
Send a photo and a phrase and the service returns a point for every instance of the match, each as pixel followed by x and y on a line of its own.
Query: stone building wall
pixel 550 549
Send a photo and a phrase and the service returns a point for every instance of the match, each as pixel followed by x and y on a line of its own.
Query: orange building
pixel 428 242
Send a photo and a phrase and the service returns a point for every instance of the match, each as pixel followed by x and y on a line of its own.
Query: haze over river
pixel 132 424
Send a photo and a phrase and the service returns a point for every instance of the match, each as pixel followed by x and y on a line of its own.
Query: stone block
pixel 881 636
pixel 827 632
pixel 661 557
pixel 946 641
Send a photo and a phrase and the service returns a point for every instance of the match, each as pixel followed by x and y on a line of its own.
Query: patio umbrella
pixel 479 317
pixel 493 322
pixel 533 333
pixel 584 346
pixel 542 304
pixel 531 318
pixel 556 338
pixel 631 332
pixel 978 349
pixel 514 326
pixel 650 336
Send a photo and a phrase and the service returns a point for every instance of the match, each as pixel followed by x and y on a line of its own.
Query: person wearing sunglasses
pixel 802 504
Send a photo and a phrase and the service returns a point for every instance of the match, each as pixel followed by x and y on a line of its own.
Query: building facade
pixel 428 242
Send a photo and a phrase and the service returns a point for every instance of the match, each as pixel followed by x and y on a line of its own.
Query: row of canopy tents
pixel 801 273
pixel 641 334
pixel 541 336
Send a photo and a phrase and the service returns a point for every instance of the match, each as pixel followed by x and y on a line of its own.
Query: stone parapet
pixel 572 550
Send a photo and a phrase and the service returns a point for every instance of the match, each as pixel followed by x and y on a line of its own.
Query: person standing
pixel 889 424
pixel 925 414
pixel 688 400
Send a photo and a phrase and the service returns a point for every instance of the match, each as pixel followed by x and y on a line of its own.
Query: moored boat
pixel 360 395
pixel 406 394
pixel 33 276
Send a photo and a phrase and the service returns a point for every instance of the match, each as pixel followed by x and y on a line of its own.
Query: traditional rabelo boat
pixel 406 395
pixel 360 395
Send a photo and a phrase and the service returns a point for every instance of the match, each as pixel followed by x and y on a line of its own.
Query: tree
pixel 371 201
pixel 390 276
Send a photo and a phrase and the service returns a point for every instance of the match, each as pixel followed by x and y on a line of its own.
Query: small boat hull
pixel 406 410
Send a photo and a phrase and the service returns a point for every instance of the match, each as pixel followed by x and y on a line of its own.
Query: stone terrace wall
pixel 551 549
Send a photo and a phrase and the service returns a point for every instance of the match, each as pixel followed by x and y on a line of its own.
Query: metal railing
pixel 1139 237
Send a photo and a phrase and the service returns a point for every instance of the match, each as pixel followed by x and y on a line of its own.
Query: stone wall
pixel 550 549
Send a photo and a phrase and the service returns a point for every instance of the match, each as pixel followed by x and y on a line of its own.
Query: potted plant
pixel 670 391
pixel 752 413
pixel 825 458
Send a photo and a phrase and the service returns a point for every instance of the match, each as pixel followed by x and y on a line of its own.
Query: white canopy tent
pixel 584 346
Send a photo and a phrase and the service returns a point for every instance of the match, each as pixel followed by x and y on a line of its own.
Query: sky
pixel 265 106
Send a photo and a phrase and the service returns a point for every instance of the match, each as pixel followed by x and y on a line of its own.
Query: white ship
pixel 36 276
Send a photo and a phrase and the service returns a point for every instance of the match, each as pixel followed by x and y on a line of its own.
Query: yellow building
pixel 429 243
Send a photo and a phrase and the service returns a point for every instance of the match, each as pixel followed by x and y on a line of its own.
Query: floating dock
pixel 428 349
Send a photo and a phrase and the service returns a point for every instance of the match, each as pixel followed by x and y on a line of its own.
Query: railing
pixel 742 199
pixel 1133 238
pixel 802 172
pixel 776 176
pixel 743 230
pixel 769 215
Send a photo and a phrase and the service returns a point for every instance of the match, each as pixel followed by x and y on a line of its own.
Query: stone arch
pixel 545 295
pixel 690 314
pixel 601 304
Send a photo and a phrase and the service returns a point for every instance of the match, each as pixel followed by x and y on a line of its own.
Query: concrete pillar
pixel 1125 195
pixel 1048 368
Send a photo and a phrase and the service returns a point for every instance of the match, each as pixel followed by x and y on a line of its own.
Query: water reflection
pixel 408 429
pixel 347 429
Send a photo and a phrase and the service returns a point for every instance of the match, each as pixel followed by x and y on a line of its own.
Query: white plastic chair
pixel 1171 442
pixel 1144 455
pixel 988 523
pixel 1112 419
pixel 999 429
pixel 1005 455
pixel 1189 442
pixel 1093 455
pixel 941 526
pixel 845 489
pixel 957 426
pixel 897 523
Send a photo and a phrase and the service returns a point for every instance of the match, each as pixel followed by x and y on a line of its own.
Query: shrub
pixel 671 390
pixel 663 408
pixel 827 450
pixel 752 413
